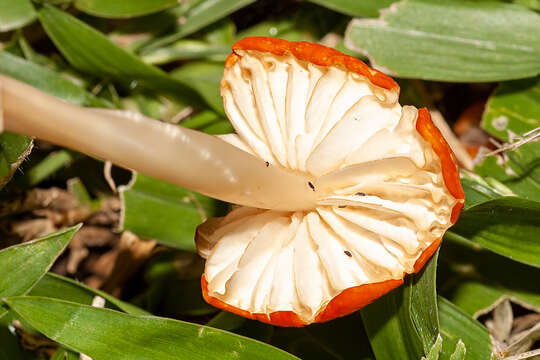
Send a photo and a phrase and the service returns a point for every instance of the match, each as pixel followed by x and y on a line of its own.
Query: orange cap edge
pixel 314 53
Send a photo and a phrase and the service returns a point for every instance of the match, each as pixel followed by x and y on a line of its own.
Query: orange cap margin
pixel 450 171
pixel 314 53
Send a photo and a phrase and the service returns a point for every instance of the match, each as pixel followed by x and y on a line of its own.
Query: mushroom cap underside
pixel 386 184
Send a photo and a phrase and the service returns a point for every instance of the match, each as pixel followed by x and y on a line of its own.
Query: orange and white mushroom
pixel 385 181
pixel 342 190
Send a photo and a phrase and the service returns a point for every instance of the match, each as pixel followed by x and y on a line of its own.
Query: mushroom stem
pixel 181 156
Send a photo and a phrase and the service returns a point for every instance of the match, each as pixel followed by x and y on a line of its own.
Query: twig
pixel 528 137
pixel 525 355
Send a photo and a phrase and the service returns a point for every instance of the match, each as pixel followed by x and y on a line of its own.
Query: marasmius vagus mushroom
pixel 342 191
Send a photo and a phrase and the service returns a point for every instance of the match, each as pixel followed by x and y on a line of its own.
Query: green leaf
pixel 435 350
pixel 456 326
pixel 23 265
pixel 405 321
pixel 508 226
pixel 123 9
pixel 423 303
pixel 56 286
pixel 476 278
pixel 517 169
pixel 275 27
pixel 167 213
pixel 201 15
pixel 204 77
pixel 15 14
pixel 46 80
pixel 186 49
pixel 459 352
pixel 478 190
pixel 476 297
pixel 513 108
pixel 91 52
pixel 463 41
pixel 14 149
pixel 200 120
pixel 533 4
pixel 364 8
pixel 108 335
pixel 65 354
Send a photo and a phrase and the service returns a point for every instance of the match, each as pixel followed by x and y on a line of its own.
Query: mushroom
pixel 342 191
pixel 385 181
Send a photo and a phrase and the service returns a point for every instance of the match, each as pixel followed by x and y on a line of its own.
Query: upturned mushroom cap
pixel 386 184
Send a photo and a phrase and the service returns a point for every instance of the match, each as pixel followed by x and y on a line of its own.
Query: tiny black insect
pixel 348 253
pixel 342 206
pixel 311 185
pixel 360 194
pixel 267 164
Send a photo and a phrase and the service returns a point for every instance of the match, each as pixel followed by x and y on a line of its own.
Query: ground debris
pixel 514 330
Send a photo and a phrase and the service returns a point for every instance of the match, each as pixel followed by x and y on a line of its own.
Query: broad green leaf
pixel 46 80
pixel 478 190
pixel 56 286
pixel 455 326
pixel 533 4
pixel 365 8
pixel 91 52
pixel 405 321
pixel 423 303
pixel 476 297
pixel 475 279
pixel 513 108
pixel 201 15
pixel 460 351
pixel 186 49
pixel 218 128
pixel 460 41
pixel 209 122
pixel 435 350
pixel 275 28
pixel 517 169
pixel 508 226
pixel 167 213
pixel 204 77
pixel 220 33
pixel 14 149
pixel 65 354
pixel 15 14
pixel 23 265
pixel 309 23
pixel 104 334
pixel 123 9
